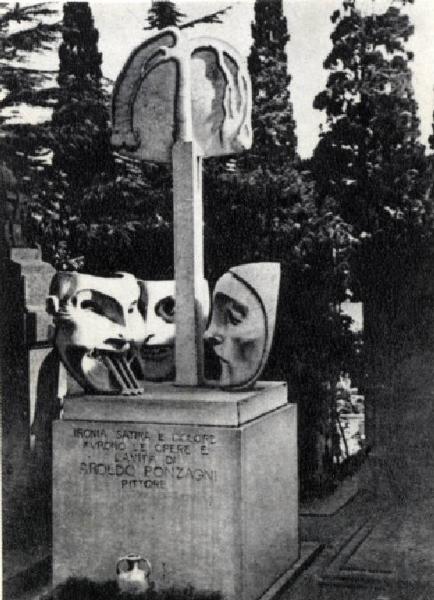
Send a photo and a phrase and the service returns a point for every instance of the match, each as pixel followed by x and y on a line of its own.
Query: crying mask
pixel 242 322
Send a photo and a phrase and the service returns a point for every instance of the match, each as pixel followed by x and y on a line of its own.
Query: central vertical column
pixel 188 262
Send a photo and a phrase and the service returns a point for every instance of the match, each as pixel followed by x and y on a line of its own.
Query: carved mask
pixel 113 333
pixel 242 321
pixel 96 318
pixel 156 351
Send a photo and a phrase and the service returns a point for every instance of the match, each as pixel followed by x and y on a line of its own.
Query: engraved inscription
pixel 147 458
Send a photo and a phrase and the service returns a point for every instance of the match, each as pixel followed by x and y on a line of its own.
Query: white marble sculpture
pixel 242 322
pixel 96 321
pixel 173 88
pixel 156 348
pixel 179 99
pixel 115 333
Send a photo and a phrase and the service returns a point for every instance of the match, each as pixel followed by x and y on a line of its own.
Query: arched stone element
pixel 173 88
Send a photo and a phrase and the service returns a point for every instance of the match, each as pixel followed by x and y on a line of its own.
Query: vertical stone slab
pixel 15 407
pixel 181 99
pixel 269 494
pixel 25 347
pixel 188 260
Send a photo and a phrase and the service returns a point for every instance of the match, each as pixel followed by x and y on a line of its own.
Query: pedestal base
pixel 203 484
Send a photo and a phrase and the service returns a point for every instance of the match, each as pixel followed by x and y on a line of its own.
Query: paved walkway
pixel 332 531
pixel 380 546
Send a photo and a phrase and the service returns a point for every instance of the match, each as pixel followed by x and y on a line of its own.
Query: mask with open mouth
pixel 97 319
pixel 114 333
pixel 156 351
pixel 242 322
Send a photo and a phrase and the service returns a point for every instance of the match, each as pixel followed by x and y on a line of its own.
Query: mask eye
pixel 101 304
pixel 165 309
pixel 132 307
pixel 234 317
pixel 235 312
pixel 92 306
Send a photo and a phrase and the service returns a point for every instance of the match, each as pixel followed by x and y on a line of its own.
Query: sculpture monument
pixel 197 477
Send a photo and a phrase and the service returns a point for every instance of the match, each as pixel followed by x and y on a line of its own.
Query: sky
pixel 120 26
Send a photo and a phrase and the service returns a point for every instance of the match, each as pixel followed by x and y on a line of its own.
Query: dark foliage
pixel 23 147
pixel 80 134
pixel 370 162
pixel 263 206
pixel 164 13
pixel 18 83
pixel 369 159
pixel 272 117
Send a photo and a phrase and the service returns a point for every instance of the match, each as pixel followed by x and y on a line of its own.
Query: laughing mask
pixel 97 319
pixel 242 322
pixel 156 351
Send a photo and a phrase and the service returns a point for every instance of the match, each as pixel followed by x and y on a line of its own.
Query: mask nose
pixel 150 329
pixel 213 337
pixel 157 331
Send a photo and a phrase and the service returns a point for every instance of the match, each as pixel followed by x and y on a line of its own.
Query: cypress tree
pixel 272 118
pixel 370 163
pixel 164 13
pixel 369 158
pixel 80 120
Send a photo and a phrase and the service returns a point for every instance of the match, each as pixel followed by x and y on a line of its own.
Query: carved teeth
pixel 155 352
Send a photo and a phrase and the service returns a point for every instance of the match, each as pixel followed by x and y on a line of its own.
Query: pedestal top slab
pixel 167 403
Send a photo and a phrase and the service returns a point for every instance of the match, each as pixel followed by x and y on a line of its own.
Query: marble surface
pixel 168 403
pixel 215 506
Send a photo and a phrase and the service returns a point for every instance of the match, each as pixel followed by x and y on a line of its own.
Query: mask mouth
pixel 157 353
pixel 218 351
pixel 63 315
pixel 117 344
pixel 224 360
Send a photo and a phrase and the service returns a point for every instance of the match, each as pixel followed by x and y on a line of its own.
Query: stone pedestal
pixel 201 482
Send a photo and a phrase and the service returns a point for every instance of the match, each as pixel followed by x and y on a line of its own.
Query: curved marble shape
pixel 242 322
pixel 174 88
pixel 96 320
pixel 156 349
pixel 115 333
